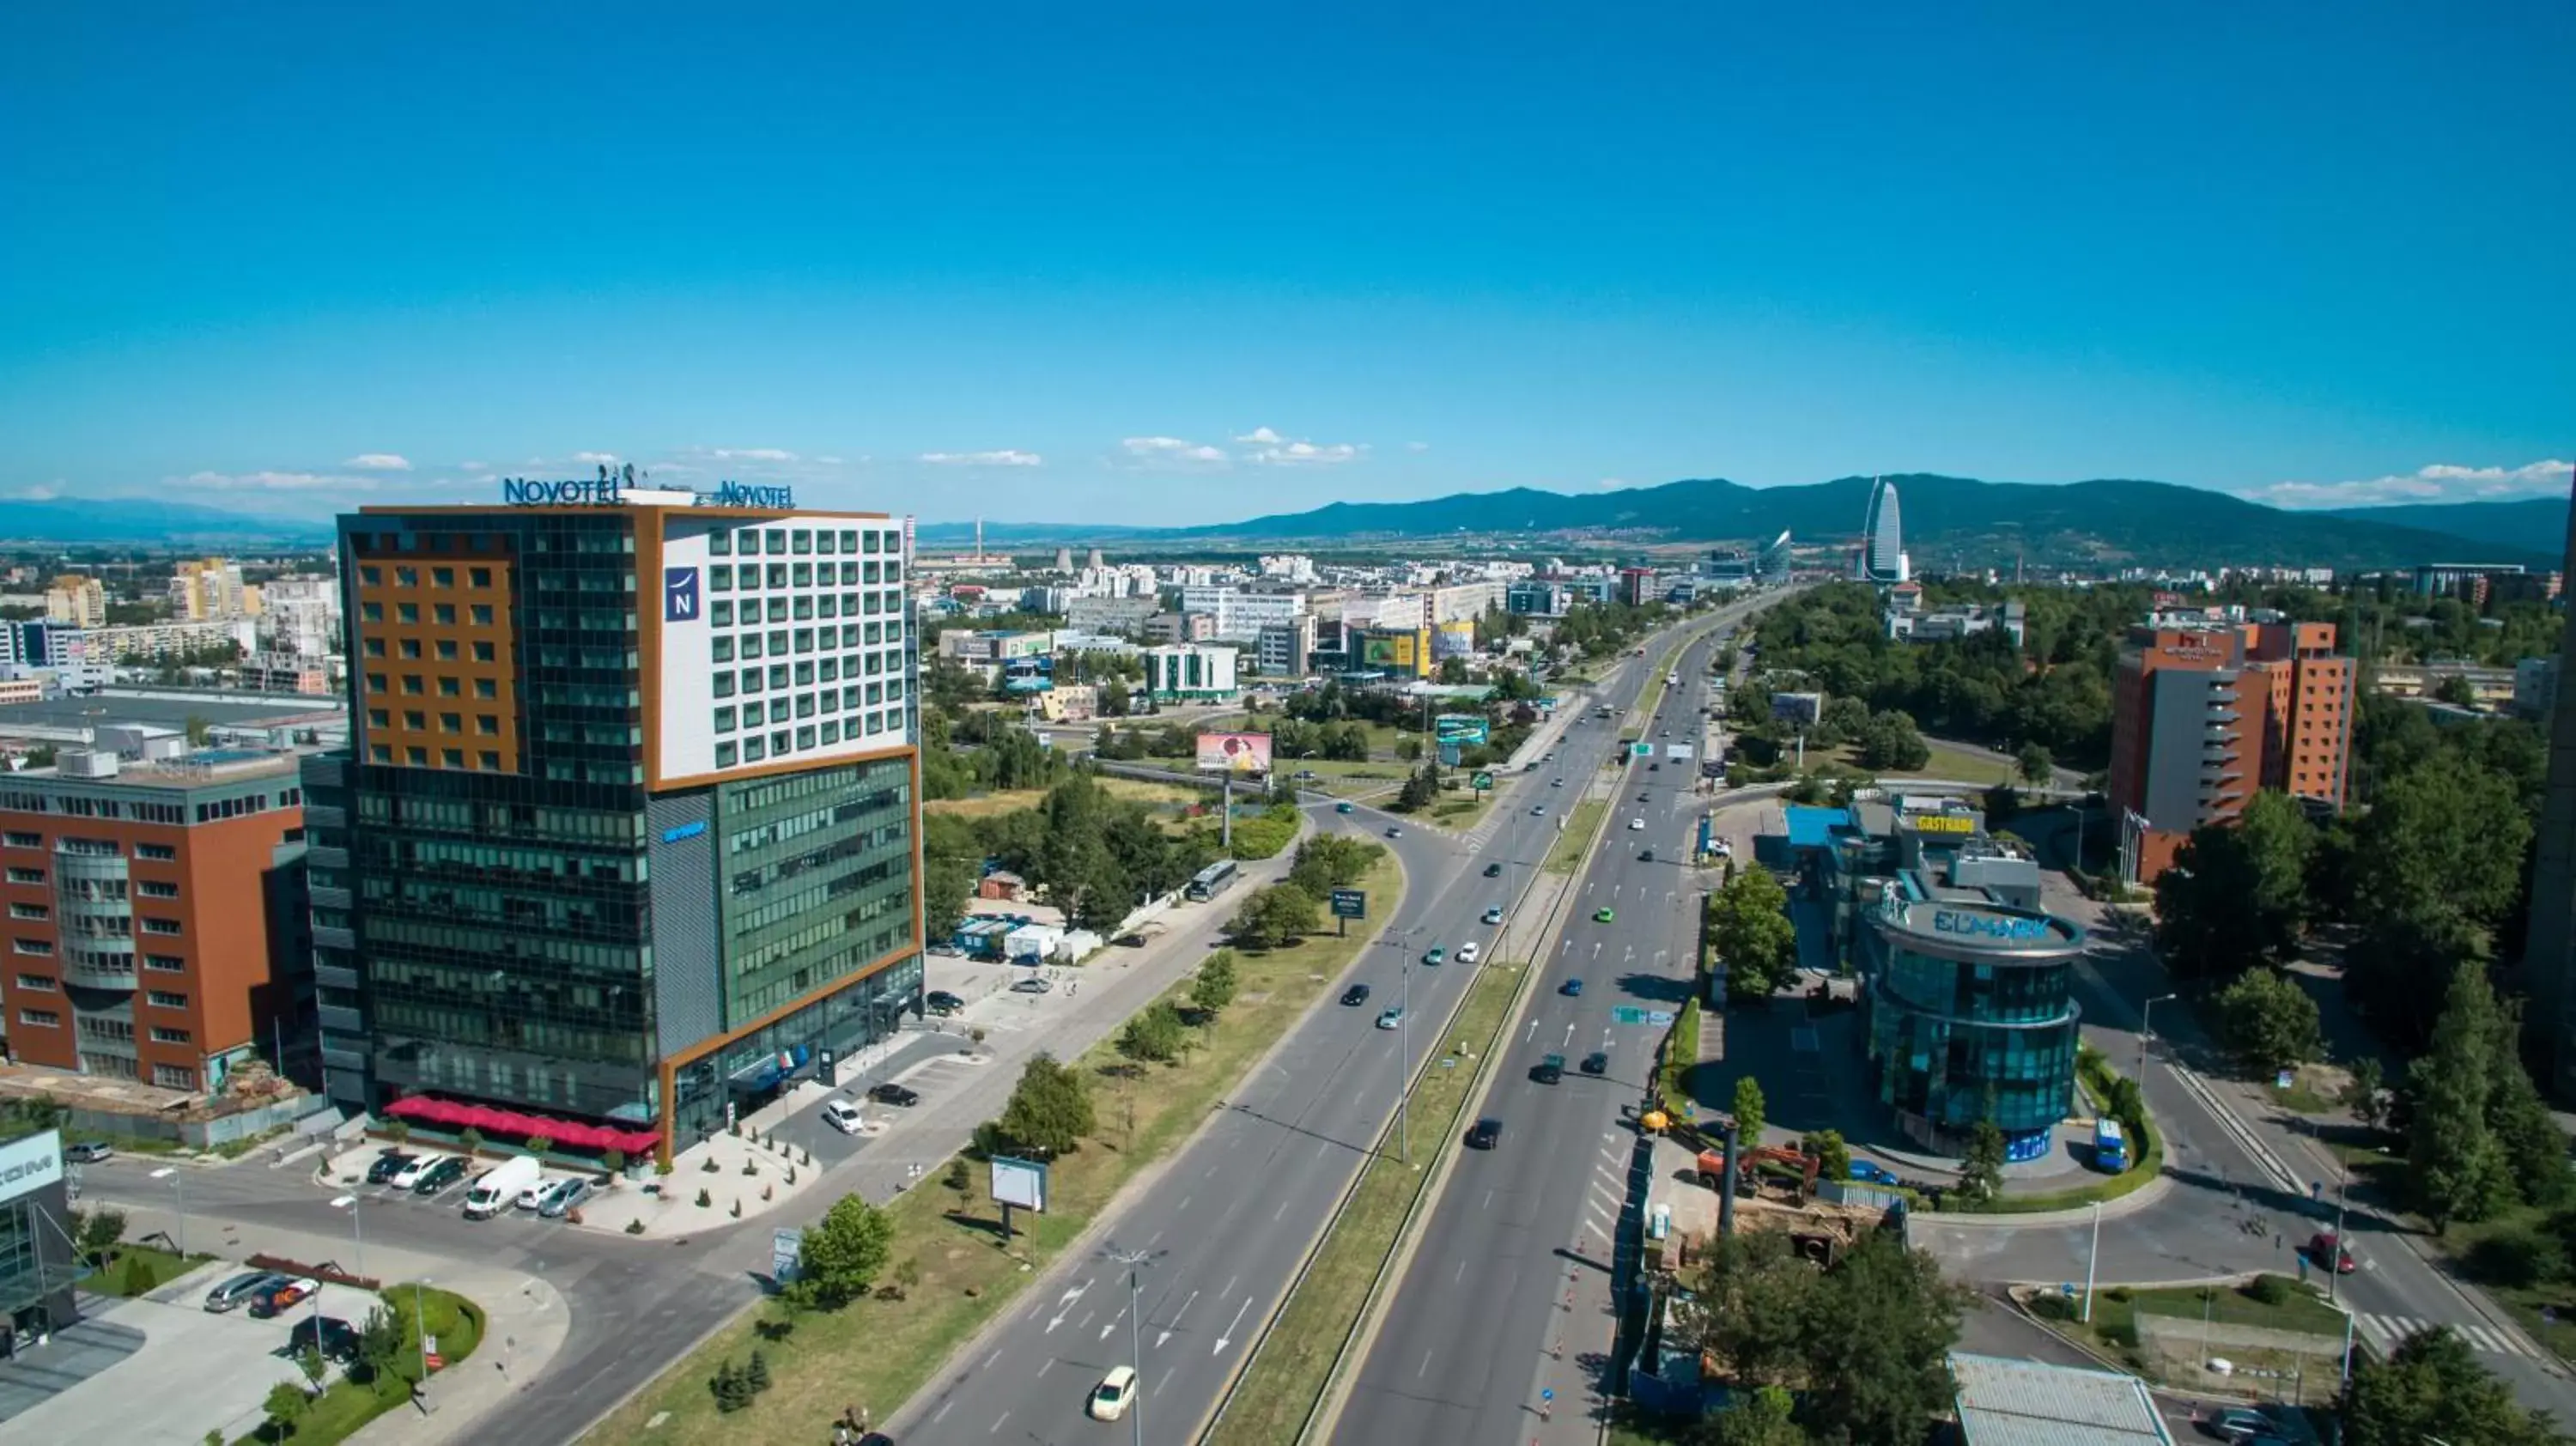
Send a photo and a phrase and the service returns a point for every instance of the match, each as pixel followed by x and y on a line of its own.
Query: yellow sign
pixel 1943 823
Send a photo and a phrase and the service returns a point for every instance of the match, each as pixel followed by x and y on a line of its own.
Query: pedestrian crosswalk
pixel 2386 1332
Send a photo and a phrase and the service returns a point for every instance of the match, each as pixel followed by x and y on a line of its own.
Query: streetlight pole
pixel 2146 1031
pixel 2334 1259
pixel 179 1185
pixel 420 1330
pixel 357 1236
pixel 2092 1262
pixel 1135 1261
pixel 1404 1063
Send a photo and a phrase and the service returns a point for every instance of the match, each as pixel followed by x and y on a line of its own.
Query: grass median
pixel 1284 1380
pixel 1566 854
pixel 949 1275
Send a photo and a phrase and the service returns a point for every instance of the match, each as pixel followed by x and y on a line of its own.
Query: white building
pixel 1290 567
pixel 1191 672
pixel 1240 615
pixel 300 617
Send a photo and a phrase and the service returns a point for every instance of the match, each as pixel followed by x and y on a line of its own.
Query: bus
pixel 2110 1147
pixel 1209 882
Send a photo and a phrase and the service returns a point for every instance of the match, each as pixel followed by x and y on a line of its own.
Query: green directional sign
pixel 1627 1014
pixel 1641 750
pixel 1483 781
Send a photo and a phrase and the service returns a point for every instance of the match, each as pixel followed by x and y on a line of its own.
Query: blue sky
pixel 1158 264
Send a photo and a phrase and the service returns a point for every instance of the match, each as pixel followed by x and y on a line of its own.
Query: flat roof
pixel 1812 827
pixel 2005 1402
pixel 100 710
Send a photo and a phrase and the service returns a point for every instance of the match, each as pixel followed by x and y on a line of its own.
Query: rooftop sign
pixel 1979 927
pixel 618 488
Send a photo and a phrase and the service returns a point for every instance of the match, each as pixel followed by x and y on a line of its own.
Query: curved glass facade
pixel 1971 1011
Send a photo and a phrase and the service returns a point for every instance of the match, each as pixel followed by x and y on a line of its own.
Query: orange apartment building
pixel 139 898
pixel 2207 709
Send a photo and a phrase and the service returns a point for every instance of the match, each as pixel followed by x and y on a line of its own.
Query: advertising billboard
pixel 1022 1183
pixel 1234 753
pixel 1453 640
pixel 1462 728
pixel 1395 651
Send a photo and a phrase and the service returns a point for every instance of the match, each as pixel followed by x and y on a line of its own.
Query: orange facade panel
pixel 436 636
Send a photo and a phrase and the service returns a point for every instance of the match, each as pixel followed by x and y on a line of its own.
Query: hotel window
pixel 827 605
pixel 450 687
pixel 416 757
pixel 379 753
pixel 831 670
pixel 849 574
pixel 483 652
pixel 777 676
pixel 444 614
pixel 753 750
pixel 725 755
pixel 805 643
pixel 481 613
pixel 411 647
pixel 804 738
pixel 720 613
pixel 778 643
pixel 487 725
pixel 491 760
pixel 720 543
pixel 442 577
pixel 156 888
pixel 805 607
pixel 376 683
pixel 452 757
pixel 752 716
pixel 849 539
pixel 720 647
pixel 479 576
pixel 164 999
pixel 724 720
pixel 868 541
pixel 406 577
pixel 831 732
pixel 40 1018
pixel 451 722
pixel 777 610
pixel 805 706
pixel 415 721
pixel 777 541
pixel 781 742
pixel 724 685
pixel 164 1034
pixel 379 718
pixel 33 946
pixel 778 575
pixel 375 647
pixel 486 688
pixel 894 572
pixel 751 680
pixel 751 645
pixel 372 612
pixel 37 982
pixel 720 577
pixel 370 577
pixel 447 649
pixel 800 542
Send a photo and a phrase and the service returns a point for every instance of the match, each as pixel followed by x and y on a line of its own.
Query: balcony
pixel 326 856
pixel 330 898
pixel 326 936
pixel 338 1055
pixel 318 815
pixel 335 976
pixel 337 1019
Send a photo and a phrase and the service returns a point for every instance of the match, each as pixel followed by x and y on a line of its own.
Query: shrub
pixel 635 1226
pixel 704 1199
pixel 2272 1289
pixel 2518 1256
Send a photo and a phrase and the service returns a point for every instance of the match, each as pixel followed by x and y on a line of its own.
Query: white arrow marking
pixel 1226 1339
pixel 1533 1032
pixel 1166 1333
pixel 1569 1033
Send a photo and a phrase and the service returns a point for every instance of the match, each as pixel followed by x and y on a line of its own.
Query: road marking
pixel 1176 1321
pixel 1047 1366
pixel 1185 1202
pixel 1425 1368
pixel 1229 1286
pixel 996 1427
pixel 1226 1339
pixel 942 1413
pixel 1282 1210
pixel 1211 1171
pixel 1489 1199
pixel 991 1361
pixel 1461 1274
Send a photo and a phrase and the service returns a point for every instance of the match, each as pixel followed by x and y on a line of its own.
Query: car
pixel 1539 812
pixel 940 1001
pixel 1355 996
pixel 1493 915
pixel 1487 1133
pixel 1644 797
pixel 1636 825
pixel 442 1173
pixel 1604 916
pixel 89 1152
pixel 386 1166
pixel 1342 807
pixel 237 1291
pixel 334 1338
pixel 1390 1018
pixel 1596 1062
pixel 1571 988
pixel 894 1094
pixel 282 1295
pixel 1646 856
pixel 1393 832
pixel 1307 773
pixel 1493 871
pixel 1549 1069
pixel 1870 1172
pixel 1655 767
pixel 1434 954
pixel 1724 849
pixel 563 1197
pixel 535 1195
pixel 1556 783
pixel 1034 984
pixel 2239 1424
pixel 1115 1393
pixel 409 1175
pixel 2332 1254
pixel 843 1116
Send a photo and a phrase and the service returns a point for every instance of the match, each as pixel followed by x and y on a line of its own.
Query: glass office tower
pixel 632 818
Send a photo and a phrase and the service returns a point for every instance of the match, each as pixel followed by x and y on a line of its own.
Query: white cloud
pixel 829 461
pixel 475 466
pixel 38 492
pixel 752 454
pixel 1261 436
pixel 1006 457
pixel 379 462
pixel 1417 446
pixel 1308 454
pixel 272 481
pixel 2440 482
pixel 595 459
pixel 1173 452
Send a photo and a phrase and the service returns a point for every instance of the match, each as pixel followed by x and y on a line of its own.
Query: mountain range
pixel 143 520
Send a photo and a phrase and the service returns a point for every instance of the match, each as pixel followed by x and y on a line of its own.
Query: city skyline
pixel 1212 268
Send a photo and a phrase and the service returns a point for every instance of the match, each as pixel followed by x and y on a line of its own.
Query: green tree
pixel 2361 1093
pixel 841 1255
pixel 2437 866
pixel 98 1231
pixel 1750 931
pixel 199 730
pixel 2236 894
pixel 285 1405
pixel 1764 1416
pixel 1748 1111
pixel 379 1345
pixel 315 1369
pixel 1889 742
pixel 1420 786
pixel 1981 1170
pixel 1752 1302
pixel 1215 987
pixel 1833 1156
pixel 2431 1388
pixel 1050 1109
pixel 2268 1021
pixel 1275 916
pixel 1113 698
pixel 2534 1148
pixel 2455 688
pixel 2459 1170
pixel 1154 1036
pixel 1881 1333
pixel 2034 765
pixel 1408 749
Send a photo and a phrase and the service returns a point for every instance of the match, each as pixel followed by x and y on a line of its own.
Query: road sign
pixel 1641 750
pixel 1483 781
pixel 1627 1014
pixel 1659 1017
pixel 786 1248
pixel 1350 903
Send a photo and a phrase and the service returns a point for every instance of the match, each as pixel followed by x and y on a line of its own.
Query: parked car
pixel 236 1292
pixel 1034 984
pixel 1393 832
pixel 335 1338
pixel 891 1093
pixel 940 1001
pixel 2332 1254
pixel 1390 1018
pixel 842 1116
pixel 388 1165
pixel 1596 1063
pixel 1354 996
pixel 1493 871
pixel 409 1175
pixel 442 1172
pixel 1494 915
pixel 88 1152
pixel 1488 1133
pixel 1870 1172
pixel 2239 1424
pixel 1115 1393
pixel 567 1194
pixel 282 1295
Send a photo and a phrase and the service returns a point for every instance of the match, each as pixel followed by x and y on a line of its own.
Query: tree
pixel 1753 1300
pixel 2268 1021
pixel 1748 1111
pixel 199 730
pixel 1154 1036
pixel 1750 931
pixel 2034 765
pixel 2437 866
pixel 2534 1148
pixel 2236 894
pixel 379 1345
pixel 2431 1388
pixel 1408 749
pixel 1833 1156
pixel 2455 688
pixel 285 1404
pixel 841 1254
pixel 1889 742
pixel 1420 786
pixel 1881 1333
pixel 1050 1108
pixel 1113 698
pixel 315 1369
pixel 2458 1167
pixel 2361 1093
pixel 1275 916
pixel 99 1231
pixel 1981 1170
pixel 1216 983
pixel 1761 1417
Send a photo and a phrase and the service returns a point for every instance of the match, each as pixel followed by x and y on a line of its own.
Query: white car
pixel 535 1195
pixel 409 1175
pixel 1724 849
pixel 1636 825
pixel 1115 1393
pixel 1467 952
pixel 843 1116
pixel 1494 915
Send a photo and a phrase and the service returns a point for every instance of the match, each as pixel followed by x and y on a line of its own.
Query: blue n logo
pixel 679 594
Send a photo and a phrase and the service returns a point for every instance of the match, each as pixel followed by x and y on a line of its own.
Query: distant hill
pixel 2538 522
pixel 134 519
pixel 1949 522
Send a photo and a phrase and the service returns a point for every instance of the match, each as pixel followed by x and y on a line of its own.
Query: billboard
pixel 1020 1182
pixel 1234 753
pixel 1462 728
pixel 1350 903
pixel 1394 651
pixel 1453 640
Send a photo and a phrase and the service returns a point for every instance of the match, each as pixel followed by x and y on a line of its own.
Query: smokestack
pixel 979 539
pixel 1726 1187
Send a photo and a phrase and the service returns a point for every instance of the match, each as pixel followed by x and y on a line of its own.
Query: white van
pixel 500 1186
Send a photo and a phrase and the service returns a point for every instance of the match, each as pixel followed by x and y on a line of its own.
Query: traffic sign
pixel 1484 781
pixel 1350 903
pixel 1627 1014
pixel 1641 750
pixel 1659 1017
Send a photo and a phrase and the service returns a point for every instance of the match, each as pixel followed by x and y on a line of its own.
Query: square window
pixel 751 680
pixel 450 687
pixel 778 643
pixel 823 542
pixel 829 700
pixel 804 738
pixel 371 577
pixel 372 612
pixel 452 757
pixel 483 652
pixel 827 605
pixel 751 645
pixel 407 612
pixel 804 606
pixel 724 685
pixel 486 688
pixel 481 613
pixel 777 611
pixel 491 760
pixel 849 576
pixel 804 643
pixel 777 575
pixel 754 750
pixel 447 649
pixel 781 742
pixel 804 705
pixel 752 716
pixel 375 647
pixel 415 720
pixel 451 722
pixel 479 576
pixel 725 755
pixel 444 614
pixel 379 753
pixel 868 541
pixel 720 613
pixel 831 669
pixel 487 725
pixel 410 647
pixel 724 720
pixel 720 577
pixel 748 577
pixel 800 542
pixel 831 732
pixel 802 574
pixel 804 670
pixel 720 543
pixel 721 647
pixel 416 757
pixel 379 718
pixel 849 539
pixel 777 675
pixel 777 537
pixel 442 577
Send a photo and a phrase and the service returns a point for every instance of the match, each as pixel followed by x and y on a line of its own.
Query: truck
pixel 500 1185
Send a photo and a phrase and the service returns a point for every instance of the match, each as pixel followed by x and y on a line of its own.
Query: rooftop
pixel 2033 1403
pixel 194 770
pixel 168 710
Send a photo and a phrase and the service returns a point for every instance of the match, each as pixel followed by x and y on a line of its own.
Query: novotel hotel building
pixel 627 837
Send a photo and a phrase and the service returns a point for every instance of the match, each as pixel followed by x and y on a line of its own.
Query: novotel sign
pixel 611 492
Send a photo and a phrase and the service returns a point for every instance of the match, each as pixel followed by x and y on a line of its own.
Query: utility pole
pixel 2092 1262
pixel 1135 1261
pixel 2146 1031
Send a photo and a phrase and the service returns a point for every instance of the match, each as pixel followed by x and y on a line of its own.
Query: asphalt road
pixel 1459 1352
pixel 1234 1213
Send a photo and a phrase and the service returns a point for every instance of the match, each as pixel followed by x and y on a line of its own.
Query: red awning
pixel 498 1120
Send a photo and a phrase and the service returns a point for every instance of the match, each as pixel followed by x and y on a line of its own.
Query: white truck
pixel 500 1185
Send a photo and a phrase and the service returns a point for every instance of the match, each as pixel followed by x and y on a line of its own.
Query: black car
pixel 940 1001
pixel 439 1176
pixel 388 1165
pixel 1493 871
pixel 895 1094
pixel 332 1336
pixel 1549 1070
pixel 1487 1134
pixel 1596 1063
pixel 1357 994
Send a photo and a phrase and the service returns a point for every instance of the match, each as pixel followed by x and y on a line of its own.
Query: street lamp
pixel 420 1329
pixel 2146 1031
pixel 1135 1261
pixel 357 1235
pixel 178 1184
pixel 2092 1262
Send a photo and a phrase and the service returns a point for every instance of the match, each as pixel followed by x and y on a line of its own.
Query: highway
pixel 1226 1223
pixel 1462 1345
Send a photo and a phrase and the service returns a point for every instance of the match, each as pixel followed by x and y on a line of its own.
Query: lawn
pixel 1287 1374
pixel 134 1269
pixel 948 1265
pixel 1567 854
pixel 1153 795
pixel 1945 762
pixel 985 805
pixel 2114 1330
pixel 340 1412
